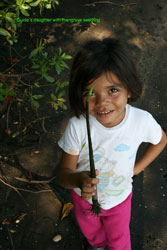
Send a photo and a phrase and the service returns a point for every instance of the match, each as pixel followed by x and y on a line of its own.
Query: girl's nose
pixel 102 100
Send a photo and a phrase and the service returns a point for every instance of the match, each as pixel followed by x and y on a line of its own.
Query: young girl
pixel 117 130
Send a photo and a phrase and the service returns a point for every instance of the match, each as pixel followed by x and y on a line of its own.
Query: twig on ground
pixel 28 181
pixel 43 126
pixel 26 84
pixel 32 122
pixel 24 190
pixel 17 75
pixel 7 116
pixel 8 69
pixel 33 181
pixel 108 2
pixel 14 188
pixel 11 239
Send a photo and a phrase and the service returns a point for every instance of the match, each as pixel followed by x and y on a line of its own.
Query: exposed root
pixel 14 188
pixel 23 189
pixel 96 208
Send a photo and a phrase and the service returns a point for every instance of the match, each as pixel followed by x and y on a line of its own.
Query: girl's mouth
pixel 104 113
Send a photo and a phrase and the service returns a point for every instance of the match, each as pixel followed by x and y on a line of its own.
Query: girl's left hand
pixel 88 185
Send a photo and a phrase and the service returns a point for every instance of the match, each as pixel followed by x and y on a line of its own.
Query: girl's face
pixel 108 99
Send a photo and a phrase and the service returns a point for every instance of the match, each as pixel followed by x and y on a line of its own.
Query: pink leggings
pixel 110 228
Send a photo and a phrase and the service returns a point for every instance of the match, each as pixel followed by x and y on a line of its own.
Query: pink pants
pixel 110 228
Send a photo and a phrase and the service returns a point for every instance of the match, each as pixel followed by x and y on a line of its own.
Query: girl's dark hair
pixel 95 58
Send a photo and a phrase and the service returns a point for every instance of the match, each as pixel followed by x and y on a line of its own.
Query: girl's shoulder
pixel 138 113
pixel 77 121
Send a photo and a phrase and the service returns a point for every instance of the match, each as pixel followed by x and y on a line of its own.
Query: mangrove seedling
pixel 95 203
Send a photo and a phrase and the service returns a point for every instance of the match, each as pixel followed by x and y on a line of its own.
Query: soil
pixel 31 201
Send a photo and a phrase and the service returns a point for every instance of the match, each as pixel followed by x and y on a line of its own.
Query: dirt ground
pixel 31 215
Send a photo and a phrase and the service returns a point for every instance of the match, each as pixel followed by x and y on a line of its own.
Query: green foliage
pixel 33 101
pixel 57 98
pixel 4 92
pixel 43 63
pixel 57 61
pixel 11 11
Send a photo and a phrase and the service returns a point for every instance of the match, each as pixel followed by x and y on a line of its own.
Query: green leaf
pixel 58 69
pixel 10 40
pixel 55 2
pixel 35 66
pixel 36 84
pixel 48 6
pixel 34 104
pixel 35 3
pixel 90 92
pixel 64 84
pixel 11 14
pixel 37 97
pixel 13 24
pixel 10 92
pixel 24 12
pixel 60 51
pixel 55 106
pixel 18 2
pixel 62 105
pixel 67 57
pixel 62 93
pixel 53 97
pixel 33 53
pixel 49 78
pixel 10 19
pixel 4 32
pixel 25 7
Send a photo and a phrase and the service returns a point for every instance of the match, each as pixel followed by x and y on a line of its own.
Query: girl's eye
pixel 113 90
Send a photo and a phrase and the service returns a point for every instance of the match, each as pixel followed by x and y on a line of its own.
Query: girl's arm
pixel 151 152
pixel 69 178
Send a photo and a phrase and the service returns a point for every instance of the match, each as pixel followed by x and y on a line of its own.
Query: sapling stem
pixel 95 203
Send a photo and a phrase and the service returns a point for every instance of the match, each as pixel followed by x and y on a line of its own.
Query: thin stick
pixel 17 75
pixel 11 239
pixel 7 116
pixel 108 2
pixel 23 189
pixel 14 188
pixel 95 205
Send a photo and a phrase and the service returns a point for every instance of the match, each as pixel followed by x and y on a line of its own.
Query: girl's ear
pixel 129 95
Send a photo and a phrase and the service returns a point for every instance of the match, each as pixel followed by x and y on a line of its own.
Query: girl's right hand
pixel 88 185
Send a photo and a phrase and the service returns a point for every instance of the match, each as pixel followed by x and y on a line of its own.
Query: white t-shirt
pixel 114 150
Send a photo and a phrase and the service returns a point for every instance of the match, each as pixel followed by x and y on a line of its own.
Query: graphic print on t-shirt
pixel 107 174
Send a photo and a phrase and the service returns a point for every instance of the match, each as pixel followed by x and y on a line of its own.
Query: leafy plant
pixel 33 101
pixel 5 92
pixel 44 63
pixel 48 4
pixel 58 61
pixel 11 12
pixel 57 99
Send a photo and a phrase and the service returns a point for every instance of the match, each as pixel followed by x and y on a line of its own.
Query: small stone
pixel 57 238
